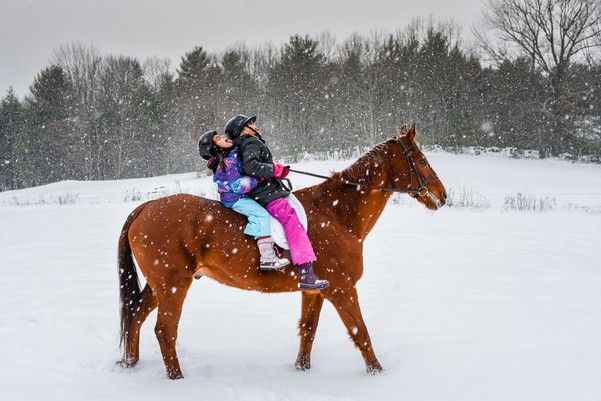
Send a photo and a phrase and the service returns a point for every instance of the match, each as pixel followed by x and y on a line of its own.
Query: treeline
pixel 93 117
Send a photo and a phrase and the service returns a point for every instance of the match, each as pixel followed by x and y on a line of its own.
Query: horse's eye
pixel 423 162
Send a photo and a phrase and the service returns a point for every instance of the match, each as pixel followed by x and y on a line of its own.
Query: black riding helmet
pixel 206 147
pixel 236 124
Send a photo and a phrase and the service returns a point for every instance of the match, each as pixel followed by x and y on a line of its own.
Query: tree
pixel 129 125
pixel 48 135
pixel 11 125
pixel 585 88
pixel 296 92
pixel 82 65
pixel 351 121
pixel 238 89
pixel 512 110
pixel 157 72
pixel 552 33
pixel 193 108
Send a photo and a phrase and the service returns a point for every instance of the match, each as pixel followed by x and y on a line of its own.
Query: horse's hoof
pixel 301 367
pixel 126 363
pixel 175 375
pixel 302 364
pixel 374 369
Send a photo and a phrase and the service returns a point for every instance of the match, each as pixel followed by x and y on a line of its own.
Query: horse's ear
pixel 411 132
pixel 403 130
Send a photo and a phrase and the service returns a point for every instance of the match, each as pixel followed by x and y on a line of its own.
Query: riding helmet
pixel 206 147
pixel 236 124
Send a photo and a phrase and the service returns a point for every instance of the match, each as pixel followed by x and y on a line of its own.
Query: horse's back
pixel 193 235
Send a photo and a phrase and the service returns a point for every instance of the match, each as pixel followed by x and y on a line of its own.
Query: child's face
pixel 222 141
pixel 251 129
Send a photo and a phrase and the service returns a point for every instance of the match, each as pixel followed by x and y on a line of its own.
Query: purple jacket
pixel 231 184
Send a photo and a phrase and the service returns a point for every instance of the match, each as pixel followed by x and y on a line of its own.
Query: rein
pixel 421 191
pixel 359 185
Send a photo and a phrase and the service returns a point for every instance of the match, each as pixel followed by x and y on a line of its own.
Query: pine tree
pixel 297 91
pixel 129 125
pixel 11 125
pixel 195 106
pixel 47 139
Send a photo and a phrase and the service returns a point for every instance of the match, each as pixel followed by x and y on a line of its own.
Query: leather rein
pixel 421 191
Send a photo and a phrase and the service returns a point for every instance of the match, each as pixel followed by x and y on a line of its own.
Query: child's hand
pixel 280 171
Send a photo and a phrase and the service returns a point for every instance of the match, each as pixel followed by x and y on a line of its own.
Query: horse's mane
pixel 364 167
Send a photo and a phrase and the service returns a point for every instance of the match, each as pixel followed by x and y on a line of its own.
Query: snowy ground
pixel 469 304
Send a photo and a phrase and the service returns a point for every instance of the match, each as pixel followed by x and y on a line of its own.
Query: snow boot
pixel 270 260
pixel 308 279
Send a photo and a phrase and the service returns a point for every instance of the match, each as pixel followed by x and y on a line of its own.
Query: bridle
pixel 422 190
pixel 413 170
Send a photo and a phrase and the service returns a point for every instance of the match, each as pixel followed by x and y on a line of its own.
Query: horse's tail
pixel 129 284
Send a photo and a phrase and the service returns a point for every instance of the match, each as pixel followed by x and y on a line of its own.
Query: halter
pixel 421 191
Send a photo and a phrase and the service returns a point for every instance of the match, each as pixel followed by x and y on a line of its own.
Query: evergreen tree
pixel 11 125
pixel 584 85
pixel 130 131
pixel 193 66
pixel 351 122
pixel 296 92
pixel 47 139
pixel 513 105
pixel 195 107
pixel 239 91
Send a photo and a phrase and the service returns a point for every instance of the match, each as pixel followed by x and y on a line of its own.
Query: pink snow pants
pixel 298 241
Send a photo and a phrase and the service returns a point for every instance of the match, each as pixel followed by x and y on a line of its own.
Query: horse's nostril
pixel 444 195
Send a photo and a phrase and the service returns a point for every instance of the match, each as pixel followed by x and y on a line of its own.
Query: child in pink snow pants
pixel 270 192
pixel 296 235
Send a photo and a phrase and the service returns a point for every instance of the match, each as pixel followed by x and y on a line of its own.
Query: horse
pixel 177 238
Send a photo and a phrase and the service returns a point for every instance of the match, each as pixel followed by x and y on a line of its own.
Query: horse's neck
pixel 365 207
pixel 356 209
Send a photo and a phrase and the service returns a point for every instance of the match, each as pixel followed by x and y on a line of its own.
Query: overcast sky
pixel 31 29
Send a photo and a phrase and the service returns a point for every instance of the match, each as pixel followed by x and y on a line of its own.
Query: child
pixel 270 193
pixel 232 185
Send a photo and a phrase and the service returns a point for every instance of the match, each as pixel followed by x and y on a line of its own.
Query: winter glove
pixel 280 171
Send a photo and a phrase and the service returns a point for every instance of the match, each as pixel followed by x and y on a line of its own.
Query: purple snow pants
pixel 298 241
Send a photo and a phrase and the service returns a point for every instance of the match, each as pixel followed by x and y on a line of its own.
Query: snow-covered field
pixel 462 304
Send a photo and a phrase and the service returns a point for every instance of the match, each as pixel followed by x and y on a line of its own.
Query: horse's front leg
pixel 346 303
pixel 311 308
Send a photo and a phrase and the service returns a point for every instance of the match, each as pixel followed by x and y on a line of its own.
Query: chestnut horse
pixel 176 238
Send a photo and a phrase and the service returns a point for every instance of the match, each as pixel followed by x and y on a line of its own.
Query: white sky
pixel 31 29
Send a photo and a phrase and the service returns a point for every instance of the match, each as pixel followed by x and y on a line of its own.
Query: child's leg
pixel 258 218
pixel 259 226
pixel 300 246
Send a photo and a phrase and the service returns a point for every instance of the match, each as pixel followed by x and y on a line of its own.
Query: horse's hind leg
pixel 170 299
pixel 148 303
pixel 346 304
pixel 311 308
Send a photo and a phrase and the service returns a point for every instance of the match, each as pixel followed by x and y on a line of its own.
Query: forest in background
pixel 91 116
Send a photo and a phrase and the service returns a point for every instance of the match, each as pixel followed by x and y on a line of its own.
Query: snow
pixel 461 304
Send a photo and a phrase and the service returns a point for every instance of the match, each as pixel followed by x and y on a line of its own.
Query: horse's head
pixel 418 175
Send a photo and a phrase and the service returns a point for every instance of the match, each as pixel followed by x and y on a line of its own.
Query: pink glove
pixel 280 171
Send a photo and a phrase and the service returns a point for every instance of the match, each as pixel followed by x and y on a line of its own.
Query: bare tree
pixel 552 33
pixel 82 65
pixel 157 71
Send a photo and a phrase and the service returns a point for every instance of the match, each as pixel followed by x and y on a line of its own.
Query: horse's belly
pixel 254 279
